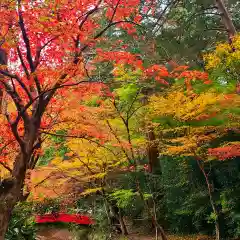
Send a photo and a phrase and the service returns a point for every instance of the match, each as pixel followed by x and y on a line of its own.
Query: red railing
pixel 63 217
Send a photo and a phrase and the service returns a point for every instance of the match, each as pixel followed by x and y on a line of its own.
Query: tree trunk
pixel 117 218
pixel 4 220
pixel 153 153
pixel 215 211
pixel 217 229
pixel 122 223
pixel 3 61
pixel 11 190
pixel 9 195
pixel 155 224
pixel 226 18
pixel 152 147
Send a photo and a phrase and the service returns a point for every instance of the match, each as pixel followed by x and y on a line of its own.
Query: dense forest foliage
pixel 123 110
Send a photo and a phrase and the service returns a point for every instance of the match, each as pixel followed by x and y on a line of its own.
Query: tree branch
pixel 85 164
pixel 3 164
pixel 6 167
pixel 107 27
pixel 22 62
pixel 79 137
pixel 134 100
pixel 27 45
pixel 169 5
pixel 126 124
pixel 89 13
pixel 40 48
pixel 114 12
pixel 25 37
pixel 17 100
pixel 45 179
pixel 117 138
pixel 48 97
pixel 14 76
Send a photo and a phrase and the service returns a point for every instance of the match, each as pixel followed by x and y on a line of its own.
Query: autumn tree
pixel 197 115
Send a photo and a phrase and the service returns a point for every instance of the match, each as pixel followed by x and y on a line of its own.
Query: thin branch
pixel 17 137
pixel 78 137
pixel 58 85
pixel 6 167
pixel 63 136
pixel 50 91
pixel 89 13
pixel 114 11
pixel 16 99
pixel 119 113
pixel 13 84
pixel 14 76
pixel 45 179
pixel 169 5
pixel 126 124
pixel 3 164
pixel 27 45
pixel 200 13
pixel 134 100
pixel 77 40
pixel 40 48
pixel 25 37
pixel 117 138
pixel 85 164
pixel 22 62
pixel 107 27
pixel 135 110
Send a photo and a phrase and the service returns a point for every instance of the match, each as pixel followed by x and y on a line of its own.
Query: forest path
pixel 54 234
pixel 65 234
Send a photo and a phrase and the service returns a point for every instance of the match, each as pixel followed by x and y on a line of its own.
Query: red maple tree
pixel 45 43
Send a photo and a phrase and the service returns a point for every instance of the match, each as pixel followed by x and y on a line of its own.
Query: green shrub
pixel 22 225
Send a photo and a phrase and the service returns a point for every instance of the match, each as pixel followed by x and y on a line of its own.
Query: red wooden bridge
pixel 63 217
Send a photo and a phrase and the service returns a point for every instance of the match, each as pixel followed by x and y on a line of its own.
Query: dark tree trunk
pixel 114 215
pixel 226 18
pixel 9 195
pixel 122 223
pixel 3 61
pixel 11 188
pixel 153 153
pixel 5 213
pixel 152 148
pixel 4 220
pixel 117 218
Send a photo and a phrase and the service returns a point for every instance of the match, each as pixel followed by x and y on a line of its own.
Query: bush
pixel 22 225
